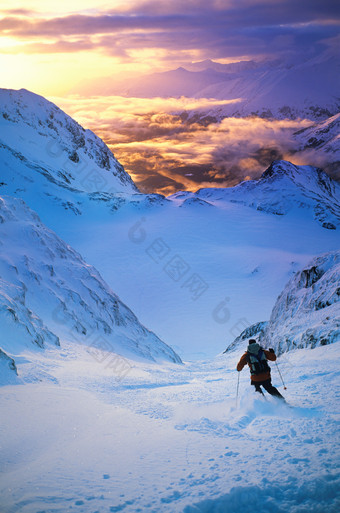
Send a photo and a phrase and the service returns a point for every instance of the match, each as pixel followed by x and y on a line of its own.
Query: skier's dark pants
pixel 267 385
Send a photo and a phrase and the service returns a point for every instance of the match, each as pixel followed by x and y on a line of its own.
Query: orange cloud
pixel 165 147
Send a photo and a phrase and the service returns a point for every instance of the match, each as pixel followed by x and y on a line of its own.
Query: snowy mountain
pixel 282 188
pixel 186 80
pixel 307 312
pixel 305 90
pixel 55 166
pixel 325 134
pixel 45 154
pixel 269 89
pixel 233 67
pixel 49 294
pixel 175 83
pixel 322 138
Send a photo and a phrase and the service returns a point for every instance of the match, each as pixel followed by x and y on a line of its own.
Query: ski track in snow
pixel 170 438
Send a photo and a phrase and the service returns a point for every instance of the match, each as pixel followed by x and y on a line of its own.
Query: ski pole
pixel 238 383
pixel 284 386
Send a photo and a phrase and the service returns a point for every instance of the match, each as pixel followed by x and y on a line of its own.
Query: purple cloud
pixel 240 28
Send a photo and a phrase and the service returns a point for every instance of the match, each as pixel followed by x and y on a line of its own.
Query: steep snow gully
pixel 99 414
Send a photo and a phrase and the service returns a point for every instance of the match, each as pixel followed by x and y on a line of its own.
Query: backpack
pixel 257 362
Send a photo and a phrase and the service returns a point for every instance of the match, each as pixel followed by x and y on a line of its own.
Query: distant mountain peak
pixel 285 187
pixel 302 176
pixel 278 169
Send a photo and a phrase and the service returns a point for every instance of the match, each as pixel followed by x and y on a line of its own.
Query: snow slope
pixel 48 293
pixel 170 439
pixel 307 312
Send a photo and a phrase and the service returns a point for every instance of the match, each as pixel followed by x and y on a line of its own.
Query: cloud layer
pixel 166 148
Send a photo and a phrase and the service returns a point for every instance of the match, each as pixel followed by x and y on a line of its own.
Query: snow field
pixel 241 255
pixel 74 437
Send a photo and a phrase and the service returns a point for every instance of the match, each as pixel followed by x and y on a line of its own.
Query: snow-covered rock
pixel 253 331
pixel 320 140
pixel 282 188
pixel 307 312
pixel 19 325
pixel 8 369
pixel 49 294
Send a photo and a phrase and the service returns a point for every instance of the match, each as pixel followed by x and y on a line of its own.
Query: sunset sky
pixel 54 48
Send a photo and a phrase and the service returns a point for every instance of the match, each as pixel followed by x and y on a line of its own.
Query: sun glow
pixel 9 44
pixel 47 7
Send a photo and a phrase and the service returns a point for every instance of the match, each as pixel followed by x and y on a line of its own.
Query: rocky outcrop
pixel 253 331
pixel 8 369
pixel 307 312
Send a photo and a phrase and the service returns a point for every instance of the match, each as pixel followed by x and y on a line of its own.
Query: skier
pixel 256 357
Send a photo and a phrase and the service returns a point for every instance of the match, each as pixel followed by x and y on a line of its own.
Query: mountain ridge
pixel 41 168
pixel 78 158
pixel 268 89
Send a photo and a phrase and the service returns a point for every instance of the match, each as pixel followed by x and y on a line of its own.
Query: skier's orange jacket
pixel 257 377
